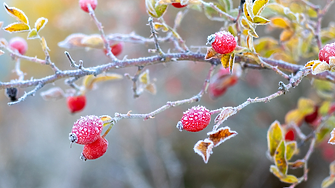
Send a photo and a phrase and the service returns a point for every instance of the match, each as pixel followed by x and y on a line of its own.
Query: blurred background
pixel 34 145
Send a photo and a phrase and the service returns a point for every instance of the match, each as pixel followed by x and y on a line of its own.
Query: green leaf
pixel 274 137
pixel 154 9
pixel 291 148
pixel 33 34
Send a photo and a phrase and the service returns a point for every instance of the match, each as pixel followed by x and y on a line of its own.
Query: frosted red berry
pixel 86 130
pixel 115 49
pixel 76 103
pixel 327 51
pixel 178 5
pixel 289 136
pixel 19 44
pixel 95 149
pixel 83 4
pixel 222 42
pixel 195 119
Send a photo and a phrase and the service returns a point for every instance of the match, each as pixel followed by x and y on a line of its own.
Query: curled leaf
pixel 40 23
pixel 225 113
pixel 221 135
pixel 247 11
pixel 204 149
pixel 151 88
pixel 225 60
pixel 274 137
pixel 211 53
pixel 90 80
pixel 297 164
pixel 44 44
pixel 72 41
pixel 17 27
pixel 320 67
pixel 16 13
pixel 327 182
pixel 54 93
pixel 154 9
pixel 286 35
pixel 92 41
pixel 144 77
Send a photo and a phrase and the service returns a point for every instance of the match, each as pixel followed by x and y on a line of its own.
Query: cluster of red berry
pixel 87 131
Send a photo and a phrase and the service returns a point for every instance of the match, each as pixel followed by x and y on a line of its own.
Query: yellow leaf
pixel 32 34
pixel 280 22
pixel 286 35
pixel 258 7
pixel 90 80
pixel 274 170
pixel 324 108
pixel 294 116
pixel 327 182
pixel 161 26
pixel 259 20
pixel 231 62
pixel 44 44
pixel 17 27
pixel 16 13
pixel 247 25
pixel 289 179
pixel 40 23
pixel 291 148
pixel 306 106
pixel 154 9
pixel 280 159
pixel 297 164
pixel 274 137
pixel 106 119
pixel 225 59
pixel 93 41
pixel 247 12
pixel 144 77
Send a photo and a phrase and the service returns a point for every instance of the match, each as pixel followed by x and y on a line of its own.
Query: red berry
pixel 83 4
pixel 222 42
pixel 76 103
pixel 327 51
pixel 310 118
pixel 95 149
pixel 178 5
pixel 19 44
pixel 331 108
pixel 86 130
pixel 290 135
pixel 116 49
pixel 195 119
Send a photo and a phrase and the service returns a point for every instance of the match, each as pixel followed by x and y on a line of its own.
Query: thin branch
pixel 102 33
pixel 30 93
pixel 168 105
pixel 154 35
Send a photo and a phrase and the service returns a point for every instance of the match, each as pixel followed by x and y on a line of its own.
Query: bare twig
pixel 168 105
pixel 154 35
pixel 30 93
pixel 102 33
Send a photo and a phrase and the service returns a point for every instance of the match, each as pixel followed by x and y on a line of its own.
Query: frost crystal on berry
pixel 195 119
pixel 326 52
pixel 86 130
pixel 224 42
